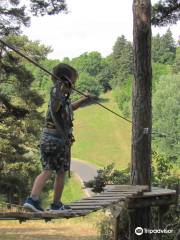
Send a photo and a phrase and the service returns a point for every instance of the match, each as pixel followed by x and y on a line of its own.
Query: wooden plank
pixel 104 203
pixel 155 194
pixel 161 189
pixel 45 215
pixel 155 201
pixel 106 198
pixel 127 187
pixel 96 201
pixel 90 206
pixel 128 194
pixel 115 194
pixel 87 207
pixel 121 192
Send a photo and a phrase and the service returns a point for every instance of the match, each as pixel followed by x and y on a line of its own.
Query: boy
pixel 56 138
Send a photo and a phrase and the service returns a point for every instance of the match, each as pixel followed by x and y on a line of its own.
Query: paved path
pixel 86 172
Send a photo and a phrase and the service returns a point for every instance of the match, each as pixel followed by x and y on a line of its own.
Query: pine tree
pixel 166 12
pixel 122 58
pixel 163 48
pixel 15 15
pixel 20 119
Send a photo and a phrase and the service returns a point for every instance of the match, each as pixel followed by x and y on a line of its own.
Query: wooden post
pixel 141 113
pixel 116 228
pixel 161 212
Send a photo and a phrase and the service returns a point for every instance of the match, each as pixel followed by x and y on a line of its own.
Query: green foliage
pixel 10 10
pixel 20 119
pixel 90 63
pixel 14 16
pixel 171 221
pixel 163 48
pixel 43 81
pixel 158 70
pixel 95 70
pixel 166 176
pixel 122 59
pixel 106 75
pixel 176 66
pixel 89 67
pixel 47 7
pixel 108 175
pixel 166 117
pixel 106 228
pixel 163 174
pixel 165 12
pixel 87 83
pixel 123 97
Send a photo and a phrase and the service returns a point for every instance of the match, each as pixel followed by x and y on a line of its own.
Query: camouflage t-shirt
pixel 62 116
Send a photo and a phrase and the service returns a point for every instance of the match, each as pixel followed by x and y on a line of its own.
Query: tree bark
pixel 141 114
pixel 142 94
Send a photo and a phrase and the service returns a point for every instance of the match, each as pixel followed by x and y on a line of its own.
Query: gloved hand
pixel 90 95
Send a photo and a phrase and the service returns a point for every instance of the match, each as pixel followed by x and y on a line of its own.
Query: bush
pixel 123 96
pixel 108 175
pixel 87 83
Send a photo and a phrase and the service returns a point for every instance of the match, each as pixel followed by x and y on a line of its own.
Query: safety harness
pixel 63 123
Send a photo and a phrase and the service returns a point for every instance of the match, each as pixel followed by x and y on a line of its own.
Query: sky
pixel 90 25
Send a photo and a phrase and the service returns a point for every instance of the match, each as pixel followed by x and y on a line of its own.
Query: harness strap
pixel 60 130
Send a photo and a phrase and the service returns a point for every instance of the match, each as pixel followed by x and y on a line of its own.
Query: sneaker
pixel 32 205
pixel 58 207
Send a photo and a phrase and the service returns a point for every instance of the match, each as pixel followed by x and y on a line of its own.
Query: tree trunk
pixel 141 115
pixel 142 86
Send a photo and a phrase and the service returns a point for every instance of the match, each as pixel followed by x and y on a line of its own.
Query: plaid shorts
pixel 54 153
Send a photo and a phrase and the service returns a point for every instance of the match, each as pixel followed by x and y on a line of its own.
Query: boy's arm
pixel 88 97
pixel 75 105
pixel 56 99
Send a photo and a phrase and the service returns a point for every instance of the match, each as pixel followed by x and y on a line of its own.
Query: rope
pixel 48 72
pixel 145 131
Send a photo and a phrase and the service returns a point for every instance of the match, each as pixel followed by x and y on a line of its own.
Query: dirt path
pixel 85 171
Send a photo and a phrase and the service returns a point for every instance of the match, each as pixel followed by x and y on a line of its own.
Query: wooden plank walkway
pixel 110 197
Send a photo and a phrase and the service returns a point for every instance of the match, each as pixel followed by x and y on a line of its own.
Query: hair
pixel 64 70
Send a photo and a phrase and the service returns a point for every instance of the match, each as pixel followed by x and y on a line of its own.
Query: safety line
pixel 158 134
pixel 50 73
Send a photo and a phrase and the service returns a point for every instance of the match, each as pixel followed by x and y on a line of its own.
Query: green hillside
pixel 101 137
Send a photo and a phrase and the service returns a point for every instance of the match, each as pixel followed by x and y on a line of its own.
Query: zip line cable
pixel 145 131
pixel 48 72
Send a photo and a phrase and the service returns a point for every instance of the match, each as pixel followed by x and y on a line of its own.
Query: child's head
pixel 65 72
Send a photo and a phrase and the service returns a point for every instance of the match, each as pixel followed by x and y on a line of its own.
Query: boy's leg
pixel 32 203
pixel 39 183
pixel 59 186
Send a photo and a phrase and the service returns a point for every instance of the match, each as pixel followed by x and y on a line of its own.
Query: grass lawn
pixel 101 137
pixel 83 228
